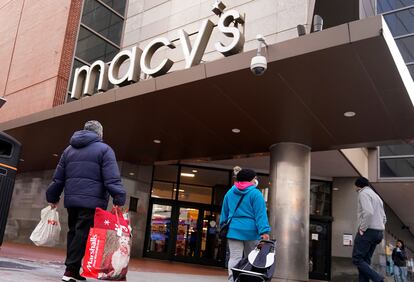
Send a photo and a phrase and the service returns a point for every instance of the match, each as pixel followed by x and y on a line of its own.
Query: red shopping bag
pixel 108 247
pixel 111 220
pixel 107 255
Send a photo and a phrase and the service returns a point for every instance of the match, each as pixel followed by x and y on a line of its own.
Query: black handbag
pixel 224 228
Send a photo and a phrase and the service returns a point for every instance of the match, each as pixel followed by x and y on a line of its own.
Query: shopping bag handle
pixel 119 230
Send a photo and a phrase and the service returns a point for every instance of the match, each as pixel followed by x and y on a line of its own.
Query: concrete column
pixel 289 195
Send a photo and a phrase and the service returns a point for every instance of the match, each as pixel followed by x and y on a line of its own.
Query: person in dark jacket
pixel 88 173
pixel 399 258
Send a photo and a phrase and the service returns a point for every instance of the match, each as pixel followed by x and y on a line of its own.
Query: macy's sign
pixel 140 60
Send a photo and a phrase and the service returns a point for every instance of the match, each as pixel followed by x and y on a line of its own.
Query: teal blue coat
pixel 250 220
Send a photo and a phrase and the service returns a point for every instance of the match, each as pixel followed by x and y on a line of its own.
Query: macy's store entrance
pixel 184 215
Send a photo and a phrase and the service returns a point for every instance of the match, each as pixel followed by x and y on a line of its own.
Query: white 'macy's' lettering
pixel 85 77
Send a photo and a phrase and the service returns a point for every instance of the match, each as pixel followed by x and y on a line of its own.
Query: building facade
pixel 181 110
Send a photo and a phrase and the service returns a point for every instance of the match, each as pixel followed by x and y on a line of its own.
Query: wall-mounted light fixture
pixel 317 23
pixel 301 30
pixel 2 101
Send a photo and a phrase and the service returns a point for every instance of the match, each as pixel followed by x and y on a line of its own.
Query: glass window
pixel 320 198
pixel 402 167
pixel 117 5
pixel 204 177
pixel 264 183
pixel 411 69
pixel 406 46
pixel 219 193
pixel 5 148
pixel 389 5
pixel 164 190
pixel 91 48
pixel 160 229
pixel 397 150
pixel 102 20
pixel 401 22
pixel 196 194
pixel 166 173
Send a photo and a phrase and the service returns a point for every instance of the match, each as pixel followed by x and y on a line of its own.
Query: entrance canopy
pixel 311 81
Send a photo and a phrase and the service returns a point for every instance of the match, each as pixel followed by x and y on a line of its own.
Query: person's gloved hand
pixel 265 237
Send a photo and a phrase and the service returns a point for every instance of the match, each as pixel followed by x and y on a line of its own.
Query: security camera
pixel 2 101
pixel 258 65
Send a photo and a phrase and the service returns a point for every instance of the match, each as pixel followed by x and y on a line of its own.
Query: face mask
pixel 256 182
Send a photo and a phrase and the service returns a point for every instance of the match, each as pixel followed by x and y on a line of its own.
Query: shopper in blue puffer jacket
pixel 249 222
pixel 87 173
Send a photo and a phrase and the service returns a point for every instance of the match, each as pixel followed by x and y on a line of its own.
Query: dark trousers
pixel 80 220
pixel 364 248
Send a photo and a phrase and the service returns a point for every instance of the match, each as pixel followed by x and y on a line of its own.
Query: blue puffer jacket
pixel 88 174
pixel 250 219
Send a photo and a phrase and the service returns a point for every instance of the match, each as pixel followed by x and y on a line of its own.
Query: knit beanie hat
pixel 94 126
pixel 245 175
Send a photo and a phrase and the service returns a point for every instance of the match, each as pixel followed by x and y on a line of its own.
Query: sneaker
pixel 70 276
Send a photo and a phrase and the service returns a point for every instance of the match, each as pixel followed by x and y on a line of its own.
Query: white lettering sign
pixel 84 78
pixel 148 53
pixel 193 55
pixel 236 46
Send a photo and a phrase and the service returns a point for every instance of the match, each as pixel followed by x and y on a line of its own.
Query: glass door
pixel 319 250
pixel 196 236
pixel 159 238
pixel 188 232
pixel 212 248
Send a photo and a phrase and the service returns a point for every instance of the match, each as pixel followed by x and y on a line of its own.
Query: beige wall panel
pixel 134 7
pixel 277 20
pixel 9 21
pixel 344 212
pixel 358 158
pixel 39 43
pixel 29 100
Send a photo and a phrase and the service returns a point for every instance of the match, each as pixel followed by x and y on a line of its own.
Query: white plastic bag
pixel 47 232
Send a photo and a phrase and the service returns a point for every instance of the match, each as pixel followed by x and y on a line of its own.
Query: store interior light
pixel 194 170
pixel 235 130
pixel 131 173
pixel 55 155
pixel 184 174
pixel 349 114
pixel 335 189
pixel 156 141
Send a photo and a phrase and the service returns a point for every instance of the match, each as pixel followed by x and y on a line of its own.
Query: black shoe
pixel 70 276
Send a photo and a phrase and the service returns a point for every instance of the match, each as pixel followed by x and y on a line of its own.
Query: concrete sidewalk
pixel 21 262
pixel 13 270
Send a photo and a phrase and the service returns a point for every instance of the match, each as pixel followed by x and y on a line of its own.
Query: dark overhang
pixel 310 82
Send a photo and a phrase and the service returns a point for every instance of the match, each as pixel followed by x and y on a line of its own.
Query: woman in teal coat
pixel 249 222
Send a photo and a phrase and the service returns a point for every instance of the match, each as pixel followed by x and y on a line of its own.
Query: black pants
pixel 80 221
pixel 364 248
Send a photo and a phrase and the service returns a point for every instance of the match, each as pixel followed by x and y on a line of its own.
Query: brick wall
pixel 67 52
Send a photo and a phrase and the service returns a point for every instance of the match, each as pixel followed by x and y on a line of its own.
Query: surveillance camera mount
pixel 262 41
